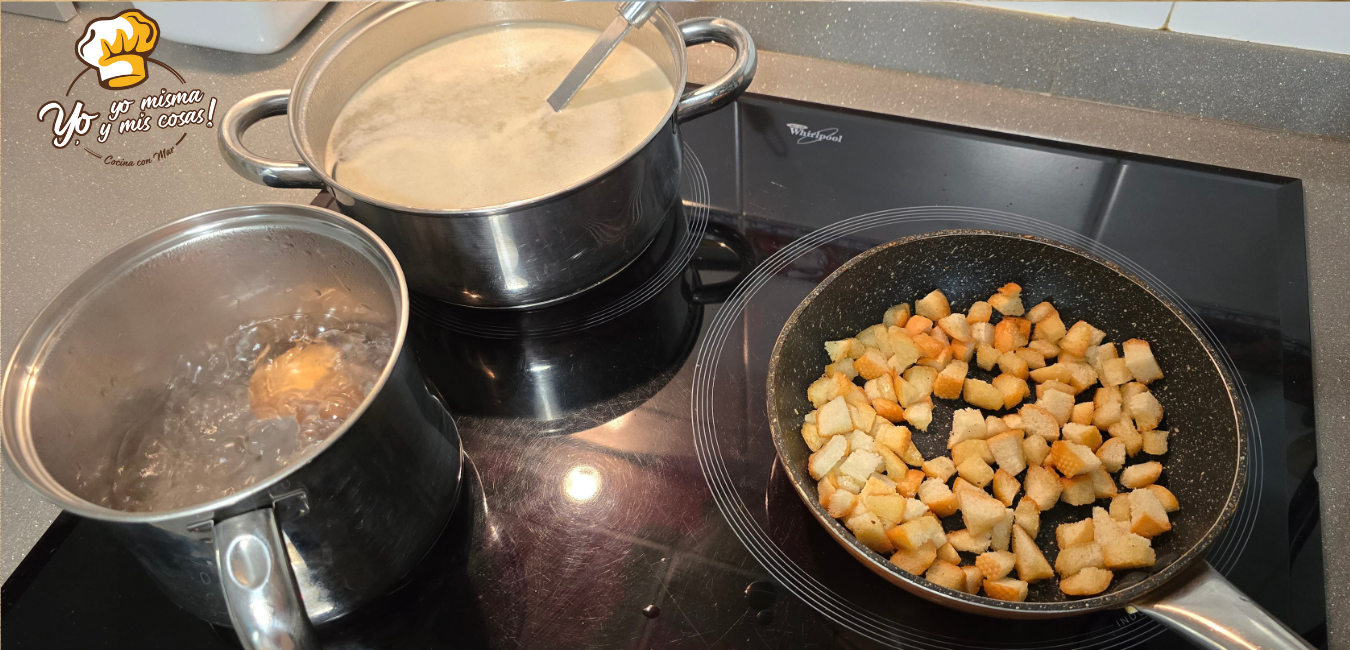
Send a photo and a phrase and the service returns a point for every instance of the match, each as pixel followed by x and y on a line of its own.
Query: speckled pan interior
pixel 1206 461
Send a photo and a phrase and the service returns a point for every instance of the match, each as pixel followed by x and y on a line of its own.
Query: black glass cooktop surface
pixel 622 490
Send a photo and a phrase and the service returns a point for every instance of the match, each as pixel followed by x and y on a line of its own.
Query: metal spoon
pixel 631 15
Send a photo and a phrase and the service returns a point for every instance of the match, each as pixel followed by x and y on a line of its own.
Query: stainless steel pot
pixel 525 253
pixel 315 540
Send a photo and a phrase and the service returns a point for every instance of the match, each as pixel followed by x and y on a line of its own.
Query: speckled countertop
pixel 60 213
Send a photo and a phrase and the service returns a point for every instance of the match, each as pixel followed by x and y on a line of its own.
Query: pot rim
pixel 367 18
pixel 15 434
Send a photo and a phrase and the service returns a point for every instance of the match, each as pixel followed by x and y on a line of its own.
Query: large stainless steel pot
pixel 330 531
pixel 525 253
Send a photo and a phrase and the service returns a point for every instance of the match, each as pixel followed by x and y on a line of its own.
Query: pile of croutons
pixel 873 477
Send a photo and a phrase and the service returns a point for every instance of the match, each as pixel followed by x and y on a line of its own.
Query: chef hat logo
pixel 118 47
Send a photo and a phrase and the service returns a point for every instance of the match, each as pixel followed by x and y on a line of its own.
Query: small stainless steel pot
pixel 526 253
pixel 312 542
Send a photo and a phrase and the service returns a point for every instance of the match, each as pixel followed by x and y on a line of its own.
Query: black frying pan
pixel 1205 465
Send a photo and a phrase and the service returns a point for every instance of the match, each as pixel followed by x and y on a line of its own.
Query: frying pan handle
pixel 1210 612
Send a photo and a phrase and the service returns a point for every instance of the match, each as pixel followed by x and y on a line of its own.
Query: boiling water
pixel 465 123
pixel 236 414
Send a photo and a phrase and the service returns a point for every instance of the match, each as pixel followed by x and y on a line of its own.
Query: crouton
pixel 1057 404
pixel 833 418
pixel 1114 372
pixel 1008 300
pixel 871 364
pixel 882 387
pixel 1034 360
pixel 1036 420
pixel 878 485
pixel 980 312
pixel 875 336
pixel 849 348
pixel 980 511
pixel 995 564
pixel 921 378
pixel 946 574
pixel 1013 420
pixel 822 390
pixel 1028 516
pixel 1146 411
pixel 1042 486
pixel 1008 335
pixel 917 325
pixel 1103 486
pixel 982 394
pixel 1006 589
pixel 913 534
pixel 1077 490
pixel 1147 516
pixel 841 503
pixel 933 306
pixel 1137 476
pixel 825 488
pixel 909 485
pixel 847 483
pixel 860 464
pixel 940 468
pixel 1075 558
pixel 928 345
pixel 986 356
pixel 889 508
pixel 863 416
pixel 868 529
pixel 1045 348
pixel 962 485
pixel 888 410
pixel 1059 372
pixel 962 540
pixel 973 578
pixel 967 424
pixel 983 334
pixel 812 437
pixel 1125 431
pixel 896 438
pixel 976 471
pixel 895 467
pixel 828 457
pixel 971 448
pixel 904 351
pixel 1006 486
pixel 1072 459
pixel 1107 407
pixel 1050 328
pixel 951 380
pixel 1014 390
pixel 993 426
pixel 1035 449
pixel 1083 434
pixel 1001 533
pixel 957 327
pixel 1082 376
pixel 1088 582
pixel 916 561
pixel 855 396
pixel 948 553
pixel 1105 530
pixel 1040 312
pixel 1078 338
pixel 938 497
pixel 1112 455
pixel 1165 497
pixel 1129 551
pixel 920 414
pixel 1052 385
pixel 1008 452
pixel 914 509
pixel 963 351
pixel 1030 562
pixel 906 394
pixel 843 366
pixel 1139 359
pixel 1120 508
pixel 1078 532
pixel 1155 442
pixel 896 316
pixel 1011 364
pixel 912 457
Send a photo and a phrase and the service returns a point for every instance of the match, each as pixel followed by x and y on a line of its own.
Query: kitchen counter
pixel 62 209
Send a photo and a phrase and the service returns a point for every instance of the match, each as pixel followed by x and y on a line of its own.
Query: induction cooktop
pixel 622 489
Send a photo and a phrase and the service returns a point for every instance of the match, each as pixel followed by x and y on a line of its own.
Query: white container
pixel 249 27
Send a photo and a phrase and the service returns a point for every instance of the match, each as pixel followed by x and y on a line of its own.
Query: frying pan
pixel 1205 466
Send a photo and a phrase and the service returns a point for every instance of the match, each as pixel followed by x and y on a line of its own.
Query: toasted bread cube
pixel 951 380
pixel 908 486
pixel 971 449
pixel 906 394
pixel 912 457
pixel 960 485
pixel 1137 476
pixel 1125 431
pixel 904 351
pixel 1114 372
pixel 825 488
pixel 849 348
pixel 841 503
pixel 957 327
pixel 1030 562
pixel 933 306
pixel 848 482
pixel 1165 497
pixel 1146 411
pixel 976 471
pixel 859 440
pixel 1008 335
pixel 1155 442
pixel 1129 551
pixel 1112 455
pixel 938 497
pixel 1074 534
pixel 986 356
pixel 888 410
pixel 982 394
pixel 1088 582
pixel 882 387
pixel 1007 451
pixel 1083 434
pixel 1011 364
pixel 860 464
pixel 1028 516
pixel 1035 449
pixel 896 316
pixel 941 468
pixel 1083 376
pixel 1050 328
pixel 914 509
pixel 844 367
pixel 983 333
pixel 1008 300
pixel 859 509
pixel 812 437
pixel 1073 459
pixel 828 457
pixel 1000 535
pixel 863 417
pixel 1139 359
pixel 833 418
pixel 856 397
pixel 870 337
pixel 1075 558
pixel 920 415
pixel 1034 360
pixel 1054 386
pixel 1038 421
pixel 895 438
pixel 1058 404
pixel 1006 589
pixel 916 561
pixel 946 574
pixel 1042 486
pixel 913 534
pixel 963 351
pixel 1040 312
pixel 822 390
pixel 979 511
pixel 877 485
pixel 1105 414
pixel 1014 390
pixel 1103 487
pixel 1014 421
pixel 1059 372
pixel 1046 349
pixel 962 540
pixel 1077 490
pixel 1120 508
pixel 889 508
pixel 871 364
pixel 921 378
pixel 1006 487
pixel 895 466
pixel 929 346
pixel 973 578
pixel 867 527
pixel 967 424
pixel 980 312
pixel 1148 518
pixel 1105 529
pixel 917 325
pixel 1078 338
pixel 994 426
pixel 995 564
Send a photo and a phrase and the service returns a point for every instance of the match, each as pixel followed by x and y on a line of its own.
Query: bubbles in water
pixel 214 436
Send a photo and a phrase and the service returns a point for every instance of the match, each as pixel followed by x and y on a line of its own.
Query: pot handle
pixel 1210 612
pixel 730 86
pixel 273 173
pixel 260 589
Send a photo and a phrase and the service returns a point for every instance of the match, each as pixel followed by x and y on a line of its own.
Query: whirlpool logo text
pixel 806 136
